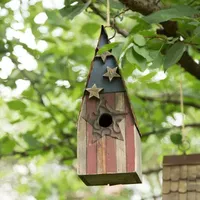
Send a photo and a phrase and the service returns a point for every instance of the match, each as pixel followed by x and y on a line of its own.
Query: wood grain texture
pixel 91 105
pixel 173 196
pixel 183 172
pixel 166 173
pixel 130 141
pixel 174 186
pixel 81 140
pixel 197 195
pixel 111 160
pixel 182 186
pixel 198 185
pixel 191 196
pixel 166 187
pixel 138 154
pixel 191 185
pixel 175 173
pixel 101 161
pixel 198 171
pixel 183 196
pixel 121 145
pixel 186 174
pixel 192 172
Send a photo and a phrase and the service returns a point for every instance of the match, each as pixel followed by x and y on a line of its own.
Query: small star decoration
pixel 111 73
pixel 104 55
pixel 94 91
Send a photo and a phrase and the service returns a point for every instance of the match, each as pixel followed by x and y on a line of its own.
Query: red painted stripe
pixel 111 159
pixel 130 140
pixel 91 107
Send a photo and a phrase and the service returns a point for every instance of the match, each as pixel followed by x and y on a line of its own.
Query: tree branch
pixel 168 100
pixel 150 171
pixel 190 65
pixel 142 6
pixel 164 130
pixel 170 30
pixel 100 14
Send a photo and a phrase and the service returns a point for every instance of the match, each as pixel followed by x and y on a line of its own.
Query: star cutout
pixel 104 55
pixel 113 130
pixel 94 91
pixel 111 73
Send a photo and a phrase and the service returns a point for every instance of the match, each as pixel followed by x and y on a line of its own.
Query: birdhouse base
pixel 111 179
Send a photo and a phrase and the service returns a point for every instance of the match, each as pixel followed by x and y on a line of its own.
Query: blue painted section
pixel 103 38
pixel 96 76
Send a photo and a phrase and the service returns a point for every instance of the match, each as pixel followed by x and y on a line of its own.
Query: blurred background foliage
pixel 46 48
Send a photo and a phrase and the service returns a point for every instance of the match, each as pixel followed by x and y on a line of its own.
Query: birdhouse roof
pixel 181 177
pixel 101 64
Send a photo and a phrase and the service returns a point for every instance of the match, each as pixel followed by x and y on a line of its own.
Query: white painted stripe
pixel 138 157
pixel 81 141
pixel 121 145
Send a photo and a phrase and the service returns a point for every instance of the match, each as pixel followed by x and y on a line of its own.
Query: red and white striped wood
pixel 109 155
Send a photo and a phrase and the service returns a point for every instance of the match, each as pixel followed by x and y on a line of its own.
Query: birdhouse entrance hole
pixel 105 120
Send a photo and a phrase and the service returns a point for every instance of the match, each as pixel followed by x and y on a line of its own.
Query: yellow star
pixel 104 55
pixel 94 91
pixel 111 73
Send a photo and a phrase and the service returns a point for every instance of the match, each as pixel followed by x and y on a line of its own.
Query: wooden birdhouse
pixel 181 177
pixel 109 144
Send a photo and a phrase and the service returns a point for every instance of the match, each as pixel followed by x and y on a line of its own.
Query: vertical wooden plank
pixel 111 161
pixel 183 173
pixel 101 162
pixel 81 140
pixel 121 145
pixel 173 196
pixel 191 195
pixel 175 173
pixel 166 173
pixel 197 195
pixel 130 141
pixel 138 158
pixel 182 186
pixel 192 174
pixel 174 186
pixel 166 187
pixel 182 196
pixel 198 185
pixel 91 107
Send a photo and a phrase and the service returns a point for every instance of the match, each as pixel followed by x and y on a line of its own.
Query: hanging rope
pixel 108 12
pixel 182 106
pixel 185 142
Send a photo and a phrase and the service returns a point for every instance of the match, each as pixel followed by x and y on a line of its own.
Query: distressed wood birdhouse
pixel 181 177
pixel 109 149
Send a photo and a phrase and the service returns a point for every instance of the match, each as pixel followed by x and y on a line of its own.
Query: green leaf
pixel 139 40
pixel 176 138
pixel 31 141
pixel 6 145
pixel 90 28
pixel 197 31
pixel 157 62
pixel 71 11
pixel 143 52
pixel 134 58
pixel 174 54
pixel 167 14
pixel 16 105
pixel 107 47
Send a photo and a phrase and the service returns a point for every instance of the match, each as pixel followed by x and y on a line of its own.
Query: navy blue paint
pixel 96 77
pixel 103 38
pixel 99 68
